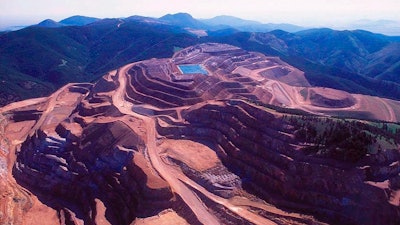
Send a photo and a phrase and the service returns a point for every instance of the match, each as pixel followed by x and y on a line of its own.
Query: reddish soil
pixel 149 145
pixel 197 156
pixel 167 217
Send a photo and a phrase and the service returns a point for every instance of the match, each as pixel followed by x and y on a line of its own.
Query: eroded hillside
pixel 214 135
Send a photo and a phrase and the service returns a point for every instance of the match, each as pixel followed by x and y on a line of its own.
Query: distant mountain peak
pixel 181 15
pixel 78 20
pixel 179 18
pixel 249 25
pixel 387 27
pixel 230 21
pixel 49 23
pixel 183 20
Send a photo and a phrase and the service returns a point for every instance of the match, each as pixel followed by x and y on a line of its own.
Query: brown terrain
pixel 147 144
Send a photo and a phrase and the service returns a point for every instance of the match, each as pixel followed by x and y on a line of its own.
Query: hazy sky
pixel 305 12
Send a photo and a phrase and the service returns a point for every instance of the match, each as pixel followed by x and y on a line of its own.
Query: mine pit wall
pixel 158 84
pixel 97 105
pixel 98 101
pixel 96 94
pixel 133 93
pixel 226 216
pixel 175 96
pixel 188 88
pixel 92 111
pixel 258 147
pixel 104 85
pixel 145 89
pixel 207 183
pixel 82 88
pixel 69 176
pixel 25 115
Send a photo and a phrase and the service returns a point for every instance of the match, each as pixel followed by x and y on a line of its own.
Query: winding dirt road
pixel 391 114
pixel 179 183
pixel 198 208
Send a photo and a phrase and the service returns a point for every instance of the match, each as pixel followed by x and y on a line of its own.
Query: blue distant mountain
pixel 78 20
pixel 387 27
pixel 183 20
pixel 49 23
pixel 250 25
pixel 70 21
pixel 229 21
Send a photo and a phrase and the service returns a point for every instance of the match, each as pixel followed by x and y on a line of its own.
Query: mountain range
pixel 388 27
pixel 249 25
pixel 175 120
pixel 38 59
pixel 70 21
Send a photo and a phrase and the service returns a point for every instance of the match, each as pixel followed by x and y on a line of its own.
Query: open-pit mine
pixel 213 135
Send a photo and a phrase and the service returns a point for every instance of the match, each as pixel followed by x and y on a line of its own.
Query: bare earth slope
pixel 250 142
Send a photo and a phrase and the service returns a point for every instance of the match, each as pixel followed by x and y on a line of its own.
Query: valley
pixel 245 140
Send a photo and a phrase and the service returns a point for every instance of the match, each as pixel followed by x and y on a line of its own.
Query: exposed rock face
pixel 259 147
pixel 84 162
pixel 98 166
pixel 147 144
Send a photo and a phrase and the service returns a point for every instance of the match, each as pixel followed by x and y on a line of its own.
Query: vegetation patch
pixel 341 139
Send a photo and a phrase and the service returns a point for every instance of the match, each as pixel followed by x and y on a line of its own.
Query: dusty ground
pixel 167 217
pixel 194 154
